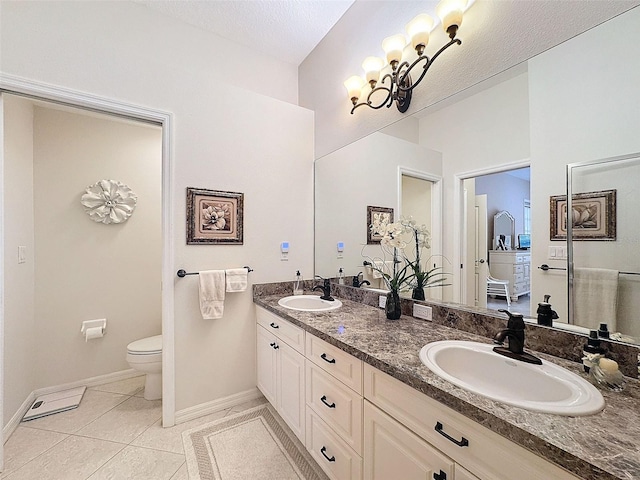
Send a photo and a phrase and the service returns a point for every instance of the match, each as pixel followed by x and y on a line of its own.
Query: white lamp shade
pixel 372 67
pixel 450 12
pixel 354 86
pixel 419 29
pixel 393 47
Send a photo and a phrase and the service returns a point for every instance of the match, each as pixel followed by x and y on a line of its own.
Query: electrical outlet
pixel 382 301
pixel 422 311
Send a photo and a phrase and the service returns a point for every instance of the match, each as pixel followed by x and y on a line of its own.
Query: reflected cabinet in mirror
pixel 504 146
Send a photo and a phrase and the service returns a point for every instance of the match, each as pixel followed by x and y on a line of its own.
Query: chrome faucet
pixel 326 289
pixel 515 335
pixel 357 283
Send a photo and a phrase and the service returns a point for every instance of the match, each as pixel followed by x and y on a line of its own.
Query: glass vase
pixel 418 293
pixel 392 307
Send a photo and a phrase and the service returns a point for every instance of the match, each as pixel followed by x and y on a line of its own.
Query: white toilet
pixel 145 355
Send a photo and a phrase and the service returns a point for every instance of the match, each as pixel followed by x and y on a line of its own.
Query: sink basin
pixel 308 303
pixel 546 388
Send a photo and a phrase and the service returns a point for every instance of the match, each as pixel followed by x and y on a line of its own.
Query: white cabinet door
pixel 463 474
pixel 290 388
pixel 266 364
pixel 392 451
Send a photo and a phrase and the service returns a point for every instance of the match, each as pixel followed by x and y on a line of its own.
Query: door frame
pixel 11 84
pixel 459 220
pixel 436 208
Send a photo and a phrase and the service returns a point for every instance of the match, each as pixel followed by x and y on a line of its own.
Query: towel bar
pixel 546 267
pixel 182 273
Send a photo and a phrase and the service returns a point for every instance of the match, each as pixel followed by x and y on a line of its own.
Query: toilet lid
pixel 147 345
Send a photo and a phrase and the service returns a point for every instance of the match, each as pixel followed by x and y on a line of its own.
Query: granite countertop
pixel 597 447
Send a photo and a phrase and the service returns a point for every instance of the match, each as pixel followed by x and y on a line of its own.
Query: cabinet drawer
pixel 463 474
pixel 344 367
pixel 486 451
pixel 339 406
pixel 518 269
pixel 518 277
pixel 334 456
pixel 521 287
pixel 285 331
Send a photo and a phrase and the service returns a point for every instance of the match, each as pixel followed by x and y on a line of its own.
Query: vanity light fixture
pixel 397 85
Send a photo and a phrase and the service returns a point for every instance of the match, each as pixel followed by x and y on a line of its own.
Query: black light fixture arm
pixel 422 58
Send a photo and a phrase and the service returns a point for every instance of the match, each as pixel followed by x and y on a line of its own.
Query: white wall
pixel 86 270
pixel 593 113
pixel 362 28
pixel 364 173
pixel 228 135
pixel 19 294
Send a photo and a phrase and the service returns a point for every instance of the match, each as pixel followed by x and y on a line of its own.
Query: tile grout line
pixel 75 434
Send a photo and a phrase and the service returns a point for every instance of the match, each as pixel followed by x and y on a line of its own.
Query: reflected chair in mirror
pixel 497 287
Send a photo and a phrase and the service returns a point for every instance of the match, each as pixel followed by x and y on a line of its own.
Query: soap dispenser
pixel 298 284
pixel 603 331
pixel 340 276
pixel 546 316
pixel 592 351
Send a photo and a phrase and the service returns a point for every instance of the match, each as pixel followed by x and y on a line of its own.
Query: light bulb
pixel 372 67
pixel 419 29
pixel 393 47
pixel 354 87
pixel 450 13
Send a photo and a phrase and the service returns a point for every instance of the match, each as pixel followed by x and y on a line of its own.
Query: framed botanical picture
pixel 214 216
pixel 593 216
pixel 377 220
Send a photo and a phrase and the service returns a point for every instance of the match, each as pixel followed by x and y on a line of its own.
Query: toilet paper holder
pixel 93 324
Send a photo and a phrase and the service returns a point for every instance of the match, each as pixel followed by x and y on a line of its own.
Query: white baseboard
pixel 207 408
pixel 15 420
pixel 12 424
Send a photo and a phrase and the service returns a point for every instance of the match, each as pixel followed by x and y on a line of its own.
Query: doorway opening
pixel 419 197
pixel 95 107
pixel 496 225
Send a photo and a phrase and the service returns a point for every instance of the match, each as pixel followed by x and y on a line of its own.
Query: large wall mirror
pixel 509 139
pixel 604 258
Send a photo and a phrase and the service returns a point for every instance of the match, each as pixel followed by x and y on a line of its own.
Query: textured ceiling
pixel 285 29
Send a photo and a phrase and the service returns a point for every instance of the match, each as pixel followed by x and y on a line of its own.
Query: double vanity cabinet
pixel 358 422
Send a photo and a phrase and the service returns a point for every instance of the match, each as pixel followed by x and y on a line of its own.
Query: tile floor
pixel 114 434
pixel 523 305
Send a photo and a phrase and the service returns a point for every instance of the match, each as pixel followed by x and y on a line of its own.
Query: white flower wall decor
pixel 109 201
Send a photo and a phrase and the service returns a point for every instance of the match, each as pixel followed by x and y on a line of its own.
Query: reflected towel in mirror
pixel 595 297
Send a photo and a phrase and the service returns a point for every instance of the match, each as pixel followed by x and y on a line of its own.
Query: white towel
pixel 595 297
pixel 236 279
pixel 378 268
pixel 212 288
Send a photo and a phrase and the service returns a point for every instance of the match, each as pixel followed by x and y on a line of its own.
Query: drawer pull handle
pixel 461 443
pixel 440 476
pixel 323 450
pixel 274 325
pixel 274 345
pixel 324 357
pixel 323 399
